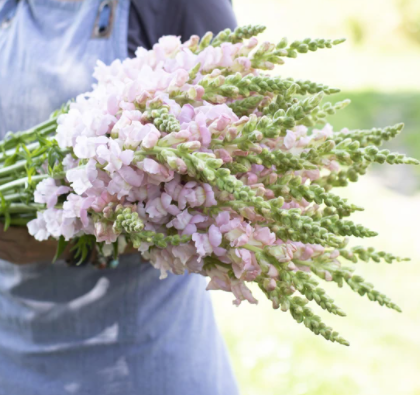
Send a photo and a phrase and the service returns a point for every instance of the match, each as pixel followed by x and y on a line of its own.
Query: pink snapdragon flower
pixel 161 207
pixel 282 252
pixel 85 147
pixel 70 126
pixel 47 191
pixel 69 162
pixel 186 222
pixel 77 207
pixel 156 172
pixel 206 244
pixel 219 279
pixel 263 236
pixel 242 292
pixel 58 225
pixel 136 133
pixel 322 134
pixel 113 156
pixel 161 260
pixel 290 140
pixel 118 186
pixel 38 227
pixel 127 118
pixel 82 178
pixel 104 231
pixel 186 255
pixel 244 262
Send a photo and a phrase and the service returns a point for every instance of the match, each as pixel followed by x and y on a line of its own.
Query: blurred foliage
pixel 410 18
pixel 380 53
pixel 357 30
pixel 376 109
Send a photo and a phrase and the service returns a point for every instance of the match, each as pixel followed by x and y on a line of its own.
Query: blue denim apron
pixel 66 330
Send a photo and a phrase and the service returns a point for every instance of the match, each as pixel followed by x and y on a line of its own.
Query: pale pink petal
pixel 265 236
pixel 131 176
pixel 187 114
pixel 289 140
pixel 215 236
pixel 127 156
pixel 202 244
pixel 151 166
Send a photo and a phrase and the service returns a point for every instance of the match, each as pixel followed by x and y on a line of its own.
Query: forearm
pixel 19 247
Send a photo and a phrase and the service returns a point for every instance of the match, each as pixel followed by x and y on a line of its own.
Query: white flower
pixel 81 179
pixel 47 192
pixel 38 227
pixel 85 147
pixel 114 156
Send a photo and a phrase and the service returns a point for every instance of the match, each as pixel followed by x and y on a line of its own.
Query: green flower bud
pixel 205 41
pixel 193 73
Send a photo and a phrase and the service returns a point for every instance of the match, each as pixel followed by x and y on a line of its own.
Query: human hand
pixel 19 247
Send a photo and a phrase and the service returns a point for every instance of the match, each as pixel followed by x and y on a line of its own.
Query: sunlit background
pixel 378 68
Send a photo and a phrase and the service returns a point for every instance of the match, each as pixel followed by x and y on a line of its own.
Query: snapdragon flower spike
pixel 240 34
pixel 375 136
pixel 367 254
pixel 195 156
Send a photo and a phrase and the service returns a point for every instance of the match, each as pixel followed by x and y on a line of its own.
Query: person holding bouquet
pixel 67 330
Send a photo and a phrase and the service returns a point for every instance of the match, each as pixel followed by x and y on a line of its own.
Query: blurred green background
pixel 378 68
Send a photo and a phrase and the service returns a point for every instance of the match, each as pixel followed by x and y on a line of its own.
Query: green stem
pixel 14 196
pixel 302 263
pixel 20 221
pixel 48 130
pixel 29 135
pixel 38 128
pixel 23 181
pixel 209 260
pixel 5 180
pixel 4 155
pixel 21 208
pixel 156 149
pixel 30 147
pixel 6 170
pixel 252 248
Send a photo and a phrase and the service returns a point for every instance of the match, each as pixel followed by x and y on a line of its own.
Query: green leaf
pixel 82 247
pixel 28 153
pixel 30 171
pixel 51 159
pixel 5 212
pixel 3 202
pixel 62 244
pixel 7 221
pixel 12 159
pixel 115 250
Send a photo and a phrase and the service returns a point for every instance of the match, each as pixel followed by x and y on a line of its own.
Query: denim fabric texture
pixel 69 330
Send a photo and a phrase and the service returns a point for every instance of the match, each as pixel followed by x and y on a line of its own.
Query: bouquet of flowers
pixel 202 161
